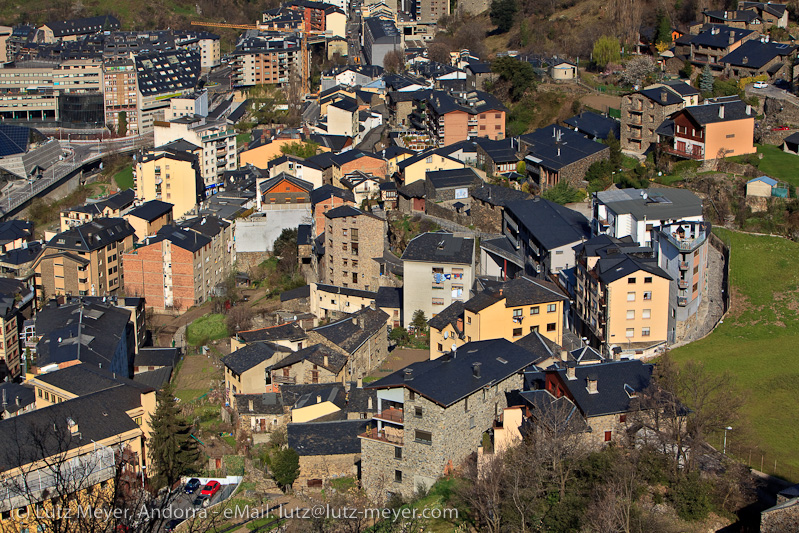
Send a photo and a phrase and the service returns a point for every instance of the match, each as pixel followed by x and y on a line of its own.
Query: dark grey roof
pixel 62 28
pixel 394 151
pixel 316 355
pixel 523 291
pixel 662 96
pixel 440 247
pixel 352 331
pixel 499 151
pixel 326 191
pixel 381 30
pixel 347 291
pixel 154 378
pixel 389 297
pixel 555 147
pixel 290 331
pixel 551 224
pixel 289 157
pixel 448 316
pixel 168 71
pixel 776 9
pixel 718 36
pixel 181 237
pixel 252 355
pixel 793 138
pixel 710 112
pixel 152 356
pixel 351 155
pixel 346 211
pixel 595 125
pixel 337 437
pixel 657 204
pixel 479 68
pixel 502 247
pixel 84 379
pixel 116 201
pixel 21 256
pixel 270 184
pixel 270 403
pixel 450 378
pixel 304 235
pixel 16 396
pixel 93 235
pixel 457 177
pixel 497 194
pixel 345 104
pixel 293 294
pixel 618 258
pixel 333 393
pixel 151 210
pixel 682 88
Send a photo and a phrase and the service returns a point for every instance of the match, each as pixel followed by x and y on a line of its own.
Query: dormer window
pixel 631 393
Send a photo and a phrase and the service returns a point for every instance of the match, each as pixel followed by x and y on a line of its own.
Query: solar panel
pixel 13 139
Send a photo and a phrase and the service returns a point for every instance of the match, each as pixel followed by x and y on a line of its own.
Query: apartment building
pixel 16 305
pixel 325 198
pixel 170 175
pixel 353 239
pixel 711 44
pixel 215 138
pixel 195 103
pixel 248 369
pixel 149 217
pixel 621 296
pixel 450 119
pixel 380 36
pixel 120 95
pixel 510 310
pixel 207 44
pixel 719 128
pixel 181 265
pixel 162 75
pixel 420 409
pixel 636 212
pixel 643 112
pixel 266 58
pixel 438 270
pixel 85 260
pixel 110 207
pixel 73 29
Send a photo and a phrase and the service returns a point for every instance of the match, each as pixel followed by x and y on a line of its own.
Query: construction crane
pixel 306 74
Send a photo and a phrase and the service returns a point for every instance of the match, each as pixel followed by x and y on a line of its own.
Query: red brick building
pixel 326 198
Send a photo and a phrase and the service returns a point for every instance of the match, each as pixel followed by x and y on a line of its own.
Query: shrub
pixel 691 497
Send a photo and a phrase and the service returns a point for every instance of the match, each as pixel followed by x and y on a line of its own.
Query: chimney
pixel 748 109
pixel 564 355
pixel 664 96
pixel 460 324
pixel 359 384
pixel 591 385
pixel 745 60
pixel 558 151
pixel 721 111
pixel 73 426
pixel 369 405
pixel 476 370
pixel 326 362
pixel 732 37
pixel 19 402
pixel 250 405
pixel 355 320
pixel 318 398
pixel 570 372
pixel 407 374
pixel 500 291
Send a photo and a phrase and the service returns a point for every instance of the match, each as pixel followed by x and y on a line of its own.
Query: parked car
pixel 780 128
pixel 192 485
pixel 760 85
pixel 200 501
pixel 211 488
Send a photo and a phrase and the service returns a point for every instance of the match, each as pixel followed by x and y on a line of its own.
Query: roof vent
pixel 721 111
pixel 476 370
pixel 407 374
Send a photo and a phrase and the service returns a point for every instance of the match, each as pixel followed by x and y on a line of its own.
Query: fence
pixel 758 459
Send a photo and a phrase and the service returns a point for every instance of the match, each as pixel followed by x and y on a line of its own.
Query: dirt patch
pixel 402 357
pixel 200 372
pixel 601 102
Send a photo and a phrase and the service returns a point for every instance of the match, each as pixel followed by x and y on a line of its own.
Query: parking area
pixel 185 506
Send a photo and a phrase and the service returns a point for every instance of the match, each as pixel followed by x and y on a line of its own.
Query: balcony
pixel 284 380
pixel 683 265
pixel 391 414
pixel 389 435
pixel 682 301
pixel 696 156
pixel 688 241
pixel 682 284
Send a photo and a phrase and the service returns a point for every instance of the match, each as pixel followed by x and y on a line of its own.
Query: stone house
pixel 362 336
pixel 332 302
pixel 314 364
pixel 488 205
pixel 327 450
pixel 642 113
pixel 448 188
pixel 771 13
pixel 260 413
pixel 711 44
pixel 290 335
pixel 497 157
pixel 554 154
pixel 419 409
pixel 247 369
pixel 477 74
pixel 412 198
pixel 353 239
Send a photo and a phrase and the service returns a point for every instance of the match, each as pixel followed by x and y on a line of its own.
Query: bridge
pixel 20 193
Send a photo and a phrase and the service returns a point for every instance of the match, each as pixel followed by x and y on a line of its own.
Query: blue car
pixel 192 485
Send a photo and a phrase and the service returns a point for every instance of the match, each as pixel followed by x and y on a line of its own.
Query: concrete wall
pixel 258 233
pixel 419 276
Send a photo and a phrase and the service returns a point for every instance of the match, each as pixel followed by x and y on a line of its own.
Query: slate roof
pixel 93 235
pixel 774 8
pixel 394 151
pixel 718 36
pixel 11 230
pixel 304 235
pixel 345 104
pixel 83 26
pixel 351 332
pixel 251 355
pixel 268 185
pixel 326 191
pixel 552 225
pixel 154 378
pixel 793 138
pixel 417 189
pixel 152 356
pixel 293 294
pixel 16 396
pixel 351 155
pixel 151 210
pixel 499 151
pixel 618 258
pixel 347 291
pixel 498 195
pixel 337 437
pixel 290 331
pixel 709 112
pixel 555 147
pixel 440 247
pixel 84 379
pixel 656 94
pixel 595 125
pixel 268 403
pixel 117 201
pixel 521 291
pixel 181 237
pixel 389 297
pixel 168 71
pixel 333 393
pixel 659 204
pixel 346 211
pixel 617 384
pixel 13 139
pixel 88 332
pixel 448 316
pixel 450 378
pixel 683 89
pixel 288 157
pixel 456 177
pixel 316 355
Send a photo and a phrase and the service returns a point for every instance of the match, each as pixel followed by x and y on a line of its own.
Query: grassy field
pixel 124 178
pixel 757 344
pixel 205 329
pixel 778 164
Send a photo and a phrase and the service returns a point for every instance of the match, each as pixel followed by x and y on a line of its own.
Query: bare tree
pixel 482 491
pixel 627 17
pixel 394 61
pixel 524 485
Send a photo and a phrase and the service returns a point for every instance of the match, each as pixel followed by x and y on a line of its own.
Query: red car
pixel 211 488
pixel 781 128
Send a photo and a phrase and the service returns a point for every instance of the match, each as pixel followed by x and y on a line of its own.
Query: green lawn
pixel 243 138
pixel 189 395
pixel 778 164
pixel 124 178
pixel 205 329
pixel 757 344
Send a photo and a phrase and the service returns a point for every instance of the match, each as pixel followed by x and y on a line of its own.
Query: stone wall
pixel 780 520
pixel 325 467
pixel 340 259
pixel 574 174
pixel 486 217
pixel 438 210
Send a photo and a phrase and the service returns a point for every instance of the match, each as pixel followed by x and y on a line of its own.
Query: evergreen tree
pixel 503 13
pixel 284 465
pixel 419 321
pixel 172 448
pixel 663 34
pixel 123 123
pixel 706 81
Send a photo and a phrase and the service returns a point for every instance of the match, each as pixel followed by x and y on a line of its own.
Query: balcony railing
pixel 682 153
pixel 389 435
pixel 682 301
pixel 686 243
pixel 283 380
pixel 683 265
pixel 391 415
pixel 682 284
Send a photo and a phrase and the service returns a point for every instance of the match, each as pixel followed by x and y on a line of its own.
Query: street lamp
pixel 728 428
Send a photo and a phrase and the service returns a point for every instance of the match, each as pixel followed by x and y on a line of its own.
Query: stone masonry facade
pixel 640 117
pixel 352 244
pixel 365 359
pixel 574 174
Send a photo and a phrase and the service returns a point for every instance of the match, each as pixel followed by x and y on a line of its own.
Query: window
pixel 417 412
pixel 429 159
pixel 646 313
pixel 695 287
pixel 631 281
pixel 397 453
pixel 630 296
pixel 533 329
pixel 608 435
pixel 630 333
pixel 517 313
pixel 440 348
pixel 425 437
pixel 397 476
pixel 466 404
pixel 438 301
pixel 355 277
pixel 551 326
pixel 40 393
pixel 534 310
pixel 645 332
pixel 622 419
pixel 551 308
pixel 630 314
pixel 517 332
pixel 411 396
pixel 648 295
pixel 648 280
pixel 471 422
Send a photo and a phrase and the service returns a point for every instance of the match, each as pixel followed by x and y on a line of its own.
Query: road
pixel 771 91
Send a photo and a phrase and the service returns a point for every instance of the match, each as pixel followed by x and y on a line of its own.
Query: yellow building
pixel 172 176
pixel 111 207
pixel 508 310
pixel 621 296
pixel 416 168
pixel 246 369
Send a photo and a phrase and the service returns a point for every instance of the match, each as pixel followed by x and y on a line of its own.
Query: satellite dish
pixel 454 347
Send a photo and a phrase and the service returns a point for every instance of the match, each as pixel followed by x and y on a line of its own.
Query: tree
pixel 239 318
pixel 638 69
pixel 521 168
pixel 285 249
pixel 268 104
pixel 284 466
pixel 399 335
pixel 300 149
pixel 482 491
pixel 438 52
pixel 663 29
pixel 616 157
pixel 706 81
pixel 123 123
pixel 606 50
pixel 562 193
pixel 394 61
pixel 173 450
pixel 419 321
pixel 627 16
pixel 518 75
pixel 687 69
pixel 503 13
